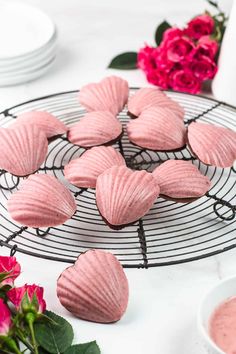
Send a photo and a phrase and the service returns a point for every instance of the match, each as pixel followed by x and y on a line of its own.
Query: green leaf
pixel 213 3
pixel 42 351
pixel 3 292
pixel 124 61
pixel 85 348
pixel 54 338
pixel 4 275
pixel 160 30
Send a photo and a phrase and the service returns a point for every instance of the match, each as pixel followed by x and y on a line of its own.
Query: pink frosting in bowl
pixel 222 326
pixel 217 318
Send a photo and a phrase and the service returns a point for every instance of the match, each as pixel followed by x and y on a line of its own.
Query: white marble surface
pixel 161 317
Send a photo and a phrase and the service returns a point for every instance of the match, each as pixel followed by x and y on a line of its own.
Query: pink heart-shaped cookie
pixel 45 121
pixel 95 128
pixel 42 201
pixel 181 180
pixel 157 129
pixel 212 145
pixel 23 149
pixel 152 97
pixel 84 171
pixel 124 196
pixel 95 288
pixel 110 94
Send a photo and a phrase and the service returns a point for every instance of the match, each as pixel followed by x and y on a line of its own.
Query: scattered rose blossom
pixel 5 319
pixel 17 296
pixel 12 267
pixel 184 80
pixel 200 26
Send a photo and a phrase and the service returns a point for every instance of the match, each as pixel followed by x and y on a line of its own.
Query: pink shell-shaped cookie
pixel 148 97
pixel 42 201
pixel 45 121
pixel 95 128
pixel 110 94
pixel 23 149
pixel 181 180
pixel 123 196
pixel 212 145
pixel 83 171
pixel 157 129
pixel 95 288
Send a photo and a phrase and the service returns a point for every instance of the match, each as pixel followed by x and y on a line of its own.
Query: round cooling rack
pixel 170 233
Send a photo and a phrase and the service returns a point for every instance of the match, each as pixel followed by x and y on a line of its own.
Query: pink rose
pixel 200 26
pixel 207 46
pixel 11 267
pixel 203 68
pixel 172 33
pixel 158 77
pixel 184 80
pixel 179 49
pixel 146 60
pixel 23 298
pixel 5 319
pixel 161 59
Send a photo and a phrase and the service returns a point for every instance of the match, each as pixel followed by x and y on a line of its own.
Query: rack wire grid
pixel 170 233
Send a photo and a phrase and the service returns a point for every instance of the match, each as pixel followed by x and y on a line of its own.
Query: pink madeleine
pixel 149 97
pixel 42 201
pixel 124 196
pixel 95 288
pixel 110 94
pixel 95 128
pixel 83 171
pixel 181 180
pixel 212 145
pixel 23 149
pixel 157 129
pixel 45 121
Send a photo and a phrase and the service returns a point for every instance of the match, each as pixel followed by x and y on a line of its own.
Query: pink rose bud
pixel 179 49
pixel 184 80
pixel 200 26
pixel 11 268
pixel 207 46
pixel 28 298
pixel 5 319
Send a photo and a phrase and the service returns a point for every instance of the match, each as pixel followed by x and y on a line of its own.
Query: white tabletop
pixel 161 316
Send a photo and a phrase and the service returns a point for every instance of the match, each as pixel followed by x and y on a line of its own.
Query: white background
pixel 161 317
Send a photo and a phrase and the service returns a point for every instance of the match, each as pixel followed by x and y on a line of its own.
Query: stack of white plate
pixel 27 43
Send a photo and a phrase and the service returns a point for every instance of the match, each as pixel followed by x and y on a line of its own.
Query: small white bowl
pixel 218 294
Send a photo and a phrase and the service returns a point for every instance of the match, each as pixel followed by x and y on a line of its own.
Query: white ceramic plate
pixel 23 29
pixel 29 56
pixel 28 65
pixel 221 292
pixel 19 79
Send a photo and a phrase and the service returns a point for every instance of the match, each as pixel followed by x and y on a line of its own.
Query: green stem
pixel 31 327
pixel 21 337
pixel 11 344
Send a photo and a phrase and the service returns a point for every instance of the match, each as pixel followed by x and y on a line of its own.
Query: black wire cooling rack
pixel 170 233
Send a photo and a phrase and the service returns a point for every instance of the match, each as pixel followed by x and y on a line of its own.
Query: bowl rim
pixel 200 325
